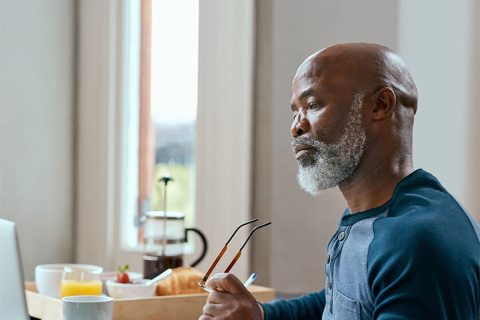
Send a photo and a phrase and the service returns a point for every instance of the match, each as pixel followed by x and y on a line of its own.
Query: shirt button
pixel 330 284
pixel 341 236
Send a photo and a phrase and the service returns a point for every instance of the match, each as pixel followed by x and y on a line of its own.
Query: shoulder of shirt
pixel 421 220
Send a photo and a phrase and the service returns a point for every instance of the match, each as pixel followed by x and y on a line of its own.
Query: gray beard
pixel 329 164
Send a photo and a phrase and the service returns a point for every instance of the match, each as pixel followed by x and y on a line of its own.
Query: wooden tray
pixel 179 307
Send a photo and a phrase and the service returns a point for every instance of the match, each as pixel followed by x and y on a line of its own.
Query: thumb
pixel 225 282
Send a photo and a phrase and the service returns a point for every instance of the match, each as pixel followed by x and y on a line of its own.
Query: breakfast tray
pixel 178 307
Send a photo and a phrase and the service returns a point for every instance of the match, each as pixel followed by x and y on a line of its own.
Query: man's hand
pixel 230 300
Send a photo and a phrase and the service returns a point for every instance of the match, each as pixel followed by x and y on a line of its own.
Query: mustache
pixel 306 141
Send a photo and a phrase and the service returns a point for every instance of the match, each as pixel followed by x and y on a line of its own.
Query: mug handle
pixel 204 243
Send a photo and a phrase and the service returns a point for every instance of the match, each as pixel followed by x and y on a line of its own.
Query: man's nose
pixel 300 125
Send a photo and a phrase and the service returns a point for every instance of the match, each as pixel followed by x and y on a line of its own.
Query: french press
pixel 164 238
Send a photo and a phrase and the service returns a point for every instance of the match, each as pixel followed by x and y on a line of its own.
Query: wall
pixel 36 126
pixel 442 51
pixel 443 58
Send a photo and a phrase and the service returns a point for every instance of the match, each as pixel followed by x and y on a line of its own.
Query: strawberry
pixel 122 275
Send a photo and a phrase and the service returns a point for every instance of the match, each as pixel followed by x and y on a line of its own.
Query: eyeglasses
pixel 202 281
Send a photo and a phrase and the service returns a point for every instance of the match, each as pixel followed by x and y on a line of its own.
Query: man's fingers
pixel 216 297
pixel 229 299
pixel 204 317
pixel 225 282
pixel 211 309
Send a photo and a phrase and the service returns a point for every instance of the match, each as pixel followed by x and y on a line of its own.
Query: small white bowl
pixel 48 277
pixel 137 289
pixel 112 275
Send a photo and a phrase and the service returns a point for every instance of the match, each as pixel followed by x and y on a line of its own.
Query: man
pixel 404 249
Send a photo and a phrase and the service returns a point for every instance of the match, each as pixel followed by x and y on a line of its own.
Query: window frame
pixel 104 113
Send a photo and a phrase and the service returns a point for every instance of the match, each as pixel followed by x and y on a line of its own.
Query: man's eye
pixel 314 105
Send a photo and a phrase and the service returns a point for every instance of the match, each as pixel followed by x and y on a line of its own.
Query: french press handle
pixel 204 244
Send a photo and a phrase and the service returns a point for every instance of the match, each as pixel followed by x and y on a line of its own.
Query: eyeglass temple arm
pixel 215 262
pixel 222 252
pixel 239 253
pixel 238 228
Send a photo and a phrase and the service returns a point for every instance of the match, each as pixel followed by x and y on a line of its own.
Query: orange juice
pixel 77 288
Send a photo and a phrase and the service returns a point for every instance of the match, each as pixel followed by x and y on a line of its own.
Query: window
pixel 168 106
pixel 108 127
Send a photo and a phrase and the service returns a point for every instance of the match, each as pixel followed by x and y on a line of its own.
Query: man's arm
pixel 309 306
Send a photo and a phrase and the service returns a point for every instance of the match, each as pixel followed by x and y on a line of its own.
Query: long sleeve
pixel 309 306
pixel 424 273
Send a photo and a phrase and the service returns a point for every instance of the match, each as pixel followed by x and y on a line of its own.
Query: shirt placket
pixel 334 248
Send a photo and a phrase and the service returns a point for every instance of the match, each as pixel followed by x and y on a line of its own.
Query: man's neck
pixel 371 187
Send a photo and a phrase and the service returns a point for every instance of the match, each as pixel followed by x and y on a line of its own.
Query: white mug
pixel 87 307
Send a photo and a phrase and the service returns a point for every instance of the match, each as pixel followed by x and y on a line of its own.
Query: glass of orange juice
pixel 81 281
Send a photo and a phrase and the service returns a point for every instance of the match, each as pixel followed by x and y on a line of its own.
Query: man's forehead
pixel 326 66
pixel 309 69
pixel 348 63
pixel 312 82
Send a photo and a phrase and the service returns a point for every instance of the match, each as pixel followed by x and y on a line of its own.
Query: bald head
pixel 364 67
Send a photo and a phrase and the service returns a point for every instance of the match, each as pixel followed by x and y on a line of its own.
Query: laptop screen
pixel 12 292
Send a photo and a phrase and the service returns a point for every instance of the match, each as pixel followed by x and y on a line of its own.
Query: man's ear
pixel 384 103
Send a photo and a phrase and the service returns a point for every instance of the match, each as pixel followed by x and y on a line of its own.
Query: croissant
pixel 182 281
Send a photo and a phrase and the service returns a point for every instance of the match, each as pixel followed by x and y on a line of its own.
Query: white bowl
pixel 48 277
pixel 112 275
pixel 137 289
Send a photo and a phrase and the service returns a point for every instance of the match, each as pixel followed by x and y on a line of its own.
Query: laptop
pixel 13 304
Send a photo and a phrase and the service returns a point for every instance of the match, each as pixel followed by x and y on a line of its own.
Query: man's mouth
pixel 301 149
